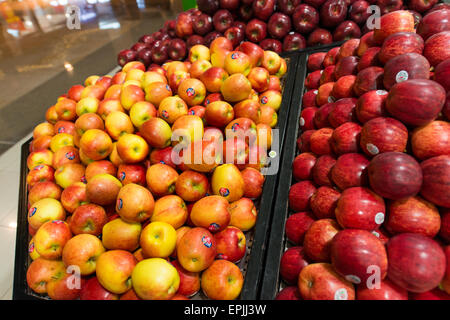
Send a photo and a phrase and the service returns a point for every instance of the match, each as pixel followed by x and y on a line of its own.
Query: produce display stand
pixel 251 264
pixel 277 244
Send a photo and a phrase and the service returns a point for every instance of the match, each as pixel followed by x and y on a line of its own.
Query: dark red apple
pixel 296 226
pixel 145 56
pixel 421 5
pixel 444 232
pixel 183 26
pixel 348 48
pixel 315 61
pixel 345 138
pixel 194 40
pixel 353 254
pixel 333 12
pixel 256 30
pixel 437 48
pixel 294 41
pixel 346 30
pixel 400 43
pixel 126 56
pixel 303 142
pixel 319 36
pixel 321 171
pixel 368 79
pixel 342 112
pixel 314 3
pixel 306 120
pixel 436 180
pixel 245 12
pixel 291 263
pixel 263 9
pixel 350 170
pixel 299 195
pixel 202 24
pixel 369 59
pixel 395 175
pixel 416 102
pixel 360 208
pixel 312 80
pixel 279 25
pixel 387 6
pixel 208 6
pixel 229 4
pixel 321 116
pixel 210 37
pixel 416 263
pixel 222 20
pixel 413 215
pixel 271 45
pixel 434 22
pixel 287 6
pixel 305 19
pixel 381 135
pixel 289 293
pixel 324 201
pixel 138 46
pixel 386 291
pixel 236 35
pixel 358 11
pixel 442 74
pixel 309 99
pixel 434 294
pixel 371 105
pixel 404 67
pixel 302 166
pixel 177 49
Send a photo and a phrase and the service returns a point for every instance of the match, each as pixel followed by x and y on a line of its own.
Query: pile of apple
pixel 108 200
pixel 371 199
pixel 276 25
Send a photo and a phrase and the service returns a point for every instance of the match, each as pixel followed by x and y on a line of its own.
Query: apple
pixel 263 9
pixel 210 37
pixel 323 94
pixel 360 208
pixel 161 179
pixel 404 67
pixel 40 173
pixel 433 22
pixel 393 22
pixel 300 194
pixel 333 12
pixel 320 141
pixel 68 174
pixel 279 25
pixel 97 167
pixel 302 166
pixel 118 234
pixel 192 91
pixel 103 189
pixel 350 171
pixel 158 240
pixel 294 41
pixel 305 19
pixel 321 172
pixel 222 20
pixel 287 6
pixel 371 105
pixel 343 87
pixel 387 291
pixel 435 187
pixel 43 129
pixel 400 43
pixel 297 225
pixel 319 36
pixel 40 157
pixel 425 99
pixel 231 244
pixel 245 11
pixel 368 79
pixel 170 209
pixel 126 56
pixel 345 138
pixel 318 239
pixel 315 61
pixel 431 140
pixel 50 239
pixel 88 219
pixel 196 249
pixel 236 88
pixel 383 134
pixel 189 281
pixel 45 189
pixel 254 51
pixel 253 182
pixel 74 196
pixel 114 269
pixel 235 34
pixel 289 293
pixel 66 109
pixel 208 6
pixel 256 30
pixel 416 262
pixel 292 262
pixel 346 66
pixel 243 214
pixel 156 132
pixel 324 201
pixel 41 271
pixel 107 106
pixel 223 280
pixel 354 251
pixel 217 217
pixel 321 115
pixel 189 128
pixel 319 281
pixel 331 57
pixel 202 24
pixel 342 112
pixel 83 251
pixel 213 78
pixel 358 11
pixel 369 59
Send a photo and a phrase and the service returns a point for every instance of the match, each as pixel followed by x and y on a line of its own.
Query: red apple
pixel 441 74
pixel 393 22
pixel 291 264
pixel 296 226
pixel 263 9
pixel 318 239
pixel 324 201
pixel 436 180
pixel 321 115
pixel 386 291
pixel 342 112
pixel 345 138
pixel 437 48
pixel 368 79
pixel 371 105
pixel 294 41
pixel 434 22
pixel 400 43
pixel 289 293
pixel 305 18
pixel 300 194
pixel 231 244
pixel 315 61
pixel 320 141
pixel 303 165
pixel 405 67
pixel 256 30
pixel 350 171
pixel 431 140
pixel 369 59
pixel 306 120
pixel 321 172
pixel 319 36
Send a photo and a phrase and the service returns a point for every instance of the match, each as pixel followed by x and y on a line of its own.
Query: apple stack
pixel 276 25
pixel 370 201
pixel 112 199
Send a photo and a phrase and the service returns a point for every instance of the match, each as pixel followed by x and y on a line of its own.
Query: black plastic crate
pixel 272 283
pixel 252 263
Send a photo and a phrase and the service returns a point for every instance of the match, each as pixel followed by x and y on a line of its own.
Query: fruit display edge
pixel 277 238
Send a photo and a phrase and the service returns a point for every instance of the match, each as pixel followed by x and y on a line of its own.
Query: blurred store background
pixel 46 47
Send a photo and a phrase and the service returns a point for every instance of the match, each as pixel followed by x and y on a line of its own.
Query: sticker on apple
pixel 302 121
pixel 122 176
pixel 190 92
pixel 373 149
pixel 57 221
pixel 224 192
pixel 207 241
pixel 70 155
pixel 341 294
pixel 119 204
pixel 381 92
pixel 32 211
pixel 264 100
pixel 401 76
pixel 352 278
pixel 379 218
pixel 213 227
pixel 31 248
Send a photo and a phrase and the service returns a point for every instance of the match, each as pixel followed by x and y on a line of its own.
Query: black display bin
pixel 277 243
pixel 252 263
